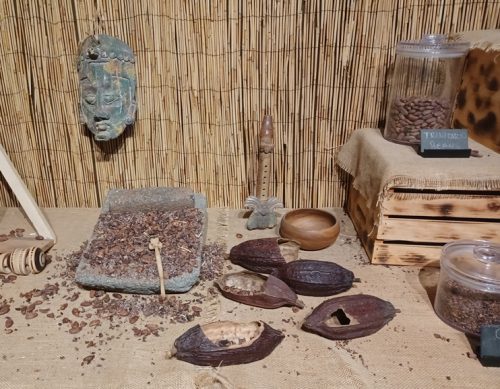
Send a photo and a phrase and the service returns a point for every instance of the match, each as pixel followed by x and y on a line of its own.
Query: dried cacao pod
pixel 315 278
pixel 264 255
pixel 257 290
pixel 349 317
pixel 226 343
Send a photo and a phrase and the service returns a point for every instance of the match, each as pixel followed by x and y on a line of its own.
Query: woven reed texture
pixel 207 74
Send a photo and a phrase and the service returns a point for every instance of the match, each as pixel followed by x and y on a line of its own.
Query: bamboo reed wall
pixel 208 71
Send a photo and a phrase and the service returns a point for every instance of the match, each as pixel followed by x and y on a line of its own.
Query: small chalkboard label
pixel 444 139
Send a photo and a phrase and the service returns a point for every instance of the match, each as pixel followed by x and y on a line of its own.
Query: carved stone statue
pixel 107 86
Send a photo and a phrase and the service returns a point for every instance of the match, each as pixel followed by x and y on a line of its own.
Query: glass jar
pixel 424 86
pixel 468 293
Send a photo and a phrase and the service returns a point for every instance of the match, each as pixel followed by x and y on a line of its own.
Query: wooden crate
pixel 415 224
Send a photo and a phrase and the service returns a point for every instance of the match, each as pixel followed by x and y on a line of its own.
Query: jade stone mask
pixel 107 77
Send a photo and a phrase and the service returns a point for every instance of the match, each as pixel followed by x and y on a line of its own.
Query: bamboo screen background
pixel 208 71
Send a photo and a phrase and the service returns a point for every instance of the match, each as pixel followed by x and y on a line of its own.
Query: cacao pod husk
pixel 265 254
pixel 264 291
pixel 349 317
pixel 226 343
pixel 315 278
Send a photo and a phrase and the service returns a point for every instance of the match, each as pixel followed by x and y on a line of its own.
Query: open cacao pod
pixel 226 343
pixel 349 317
pixel 265 254
pixel 265 291
pixel 315 278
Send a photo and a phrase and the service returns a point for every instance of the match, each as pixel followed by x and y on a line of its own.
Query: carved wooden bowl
pixel 313 229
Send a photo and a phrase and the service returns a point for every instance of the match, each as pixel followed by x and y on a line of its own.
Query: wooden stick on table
pixel 156 245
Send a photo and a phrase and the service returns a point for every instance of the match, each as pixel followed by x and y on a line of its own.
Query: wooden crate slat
pixel 439 205
pixel 439 231
pixel 413 226
pixel 405 254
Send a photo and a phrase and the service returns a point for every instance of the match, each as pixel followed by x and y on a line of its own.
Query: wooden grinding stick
pixel 36 260
pixel 4 263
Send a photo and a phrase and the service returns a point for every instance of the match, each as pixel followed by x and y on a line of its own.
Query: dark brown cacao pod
pixel 349 317
pixel 265 291
pixel 264 255
pixel 315 278
pixel 226 343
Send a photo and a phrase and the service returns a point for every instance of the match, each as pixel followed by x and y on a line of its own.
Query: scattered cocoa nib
pixel 8 322
pixel 75 328
pixel 5 308
pixel 88 359
pixel 213 257
pixel 101 309
pixel 30 315
pixel 95 323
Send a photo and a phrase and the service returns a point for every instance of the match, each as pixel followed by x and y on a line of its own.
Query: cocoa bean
pixel 9 322
pixel 30 315
pixel 4 309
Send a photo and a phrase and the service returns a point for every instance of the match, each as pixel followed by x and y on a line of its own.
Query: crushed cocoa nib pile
pixel 92 313
pixel 120 243
pixel 212 261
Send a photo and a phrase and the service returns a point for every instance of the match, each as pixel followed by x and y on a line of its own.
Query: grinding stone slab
pixel 143 200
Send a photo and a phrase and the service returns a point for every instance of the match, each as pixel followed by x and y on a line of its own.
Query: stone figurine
pixel 106 70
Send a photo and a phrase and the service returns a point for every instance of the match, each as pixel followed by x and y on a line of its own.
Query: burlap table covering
pixel 415 350
pixel 378 165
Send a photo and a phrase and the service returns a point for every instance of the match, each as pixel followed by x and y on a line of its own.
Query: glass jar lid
pixel 433 46
pixel 475 263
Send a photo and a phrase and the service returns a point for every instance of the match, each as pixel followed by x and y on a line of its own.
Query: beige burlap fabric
pixel 378 165
pixel 415 350
pixel 481 39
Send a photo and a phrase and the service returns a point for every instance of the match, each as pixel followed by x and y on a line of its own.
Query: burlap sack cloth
pixel 415 350
pixel 378 165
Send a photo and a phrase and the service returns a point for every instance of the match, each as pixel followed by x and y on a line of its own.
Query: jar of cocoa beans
pixel 424 86
pixel 468 293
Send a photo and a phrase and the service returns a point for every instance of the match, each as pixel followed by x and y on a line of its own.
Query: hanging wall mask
pixel 107 86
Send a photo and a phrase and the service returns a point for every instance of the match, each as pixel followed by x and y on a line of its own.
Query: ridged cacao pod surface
pixel 315 278
pixel 265 254
pixel 265 291
pixel 226 343
pixel 349 317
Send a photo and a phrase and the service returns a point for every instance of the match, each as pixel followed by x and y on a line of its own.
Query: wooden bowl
pixel 313 229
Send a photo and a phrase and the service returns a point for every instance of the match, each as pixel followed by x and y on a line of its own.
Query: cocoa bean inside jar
pixel 468 294
pixel 409 115
pixel 424 86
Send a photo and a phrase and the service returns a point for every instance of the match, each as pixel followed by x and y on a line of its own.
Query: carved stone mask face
pixel 107 86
